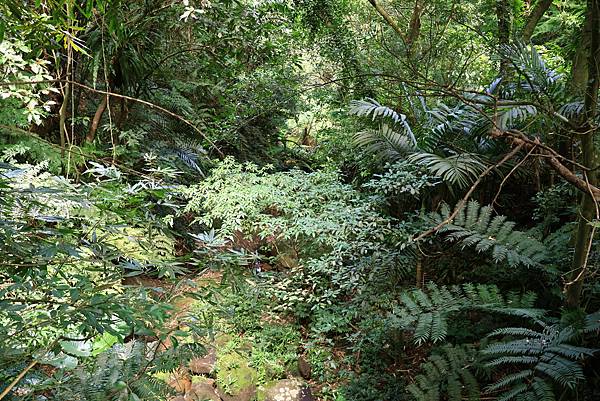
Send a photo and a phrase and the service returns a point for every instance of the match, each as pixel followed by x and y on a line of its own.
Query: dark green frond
pixel 474 227
pixel 447 375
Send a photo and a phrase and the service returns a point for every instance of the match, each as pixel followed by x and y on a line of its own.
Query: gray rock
pixel 286 390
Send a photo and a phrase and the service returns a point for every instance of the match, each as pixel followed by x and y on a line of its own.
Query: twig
pixel 462 202
pixel 17 379
pixel 519 164
pixel 133 99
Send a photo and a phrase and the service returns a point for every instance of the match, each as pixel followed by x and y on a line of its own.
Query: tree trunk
pixel 389 20
pixel 414 28
pixel 420 273
pixel 503 17
pixel 536 15
pixel 96 120
pixel 588 208
pixel 63 117
pixel 579 72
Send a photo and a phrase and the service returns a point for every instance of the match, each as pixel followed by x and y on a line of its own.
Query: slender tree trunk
pixel 414 28
pixel 96 120
pixel 62 119
pixel 388 19
pixel 588 208
pixel 579 72
pixel 503 18
pixel 420 272
pixel 536 15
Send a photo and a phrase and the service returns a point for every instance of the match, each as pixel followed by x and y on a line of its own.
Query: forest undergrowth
pixel 273 200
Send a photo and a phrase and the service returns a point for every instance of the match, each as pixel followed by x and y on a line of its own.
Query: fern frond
pixel 548 360
pixel 470 228
pixel 426 312
pixel 446 373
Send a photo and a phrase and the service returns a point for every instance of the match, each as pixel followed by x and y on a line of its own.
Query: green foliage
pixel 541 359
pixel 62 275
pixel 474 227
pixel 313 238
pixel 460 169
pixel 18 65
pixel 385 142
pixel 311 213
pixel 447 374
pixel 371 107
pixel 427 313
pixel 129 371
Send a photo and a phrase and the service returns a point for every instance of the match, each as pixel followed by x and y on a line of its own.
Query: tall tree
pixel 588 210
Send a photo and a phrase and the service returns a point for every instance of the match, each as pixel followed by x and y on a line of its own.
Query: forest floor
pixel 250 353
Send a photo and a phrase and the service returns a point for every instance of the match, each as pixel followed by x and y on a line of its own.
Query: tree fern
pixel 475 227
pixel 426 312
pixel 542 359
pixel 446 375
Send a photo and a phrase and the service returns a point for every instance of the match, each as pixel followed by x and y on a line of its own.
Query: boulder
pixel 204 365
pixel 285 390
pixel 179 381
pixel 236 380
pixel 202 390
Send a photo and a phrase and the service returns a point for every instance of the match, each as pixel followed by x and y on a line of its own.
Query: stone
pixel 204 365
pixel 180 381
pixel 304 368
pixel 236 380
pixel 202 390
pixel 285 390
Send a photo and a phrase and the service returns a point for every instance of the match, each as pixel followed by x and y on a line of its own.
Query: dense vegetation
pixel 339 200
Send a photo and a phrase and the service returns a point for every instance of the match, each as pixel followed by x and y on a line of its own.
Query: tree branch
pixel 389 20
pixel 464 200
pixel 536 14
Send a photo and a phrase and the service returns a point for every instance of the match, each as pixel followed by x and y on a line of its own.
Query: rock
pixel 304 368
pixel 285 390
pixel 236 380
pixel 245 394
pixel 202 390
pixel 180 381
pixel 204 365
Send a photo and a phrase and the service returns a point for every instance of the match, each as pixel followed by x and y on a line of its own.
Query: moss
pixel 162 376
pixel 234 373
pixel 197 379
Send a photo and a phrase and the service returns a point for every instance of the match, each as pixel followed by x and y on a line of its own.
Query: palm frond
pixel 461 169
pixel 370 107
pixel 530 64
pixel 387 143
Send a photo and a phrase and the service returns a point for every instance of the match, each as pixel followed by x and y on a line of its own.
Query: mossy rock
pixel 236 380
pixel 197 379
pixel 202 389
